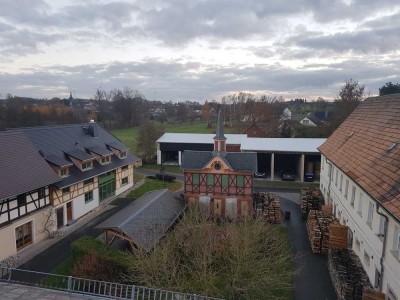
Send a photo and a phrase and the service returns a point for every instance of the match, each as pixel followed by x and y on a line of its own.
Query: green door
pixel 106 185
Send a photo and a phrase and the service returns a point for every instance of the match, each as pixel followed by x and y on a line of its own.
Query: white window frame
pixel 370 216
pixel 353 196
pixel 360 205
pixel 346 189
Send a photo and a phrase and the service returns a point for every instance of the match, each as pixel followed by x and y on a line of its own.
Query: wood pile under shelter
pixel 268 206
pixel 347 274
pixel 310 199
pixel 318 223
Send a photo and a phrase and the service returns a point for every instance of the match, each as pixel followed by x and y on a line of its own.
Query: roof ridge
pixel 45 127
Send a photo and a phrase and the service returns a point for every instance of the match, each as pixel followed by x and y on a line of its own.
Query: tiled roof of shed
pixel 147 219
pixel 366 146
pixel 22 168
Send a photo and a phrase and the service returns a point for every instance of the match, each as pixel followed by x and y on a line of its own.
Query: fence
pixel 91 287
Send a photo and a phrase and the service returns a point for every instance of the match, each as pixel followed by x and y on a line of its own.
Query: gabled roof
pixel 147 219
pixel 366 147
pixel 22 168
pixel 57 143
pixel 238 161
pixel 199 138
pixel 99 150
pixel 292 145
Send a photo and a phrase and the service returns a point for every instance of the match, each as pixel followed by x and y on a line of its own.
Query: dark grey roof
pixel 148 218
pixel 117 145
pixel 22 168
pixel 74 139
pixel 220 128
pixel 79 154
pixel 58 161
pixel 99 150
pixel 239 161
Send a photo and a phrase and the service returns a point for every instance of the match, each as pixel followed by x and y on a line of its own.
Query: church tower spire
pixel 219 138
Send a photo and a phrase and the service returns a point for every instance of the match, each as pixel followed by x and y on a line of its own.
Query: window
pixel 41 193
pixel 353 196
pixel 21 199
pixel 370 214
pixel 382 226
pixel 396 239
pixel 323 162
pixel 360 203
pixel 66 190
pixel 341 182
pixel 86 165
pixel 124 168
pixel 357 245
pixel 332 172
pixel 367 259
pixel 23 235
pixel 105 159
pixel 64 172
pixel 88 181
pixel 88 196
pixel 196 179
pixel 124 180
pixel 346 189
pixel 210 179
pixel 377 278
pixel 240 181
pixel 337 175
pixel 123 154
pixel 225 180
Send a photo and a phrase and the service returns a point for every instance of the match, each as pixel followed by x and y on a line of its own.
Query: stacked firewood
pixel 268 207
pixel 318 230
pixel 310 199
pixel 347 274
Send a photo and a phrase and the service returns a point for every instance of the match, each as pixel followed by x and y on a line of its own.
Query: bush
pixel 95 260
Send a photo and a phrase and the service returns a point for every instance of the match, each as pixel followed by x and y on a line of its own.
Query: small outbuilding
pixel 145 221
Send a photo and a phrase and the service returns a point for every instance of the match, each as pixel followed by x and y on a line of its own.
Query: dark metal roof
pixel 220 129
pixel 22 168
pixel 74 139
pixel 100 150
pixel 148 218
pixel 239 161
pixel 117 145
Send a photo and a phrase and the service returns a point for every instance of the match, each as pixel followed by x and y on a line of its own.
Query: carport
pixel 299 155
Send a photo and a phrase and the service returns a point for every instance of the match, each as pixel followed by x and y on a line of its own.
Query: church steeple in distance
pixel 219 138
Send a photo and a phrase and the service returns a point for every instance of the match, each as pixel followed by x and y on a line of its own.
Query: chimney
pixel 93 128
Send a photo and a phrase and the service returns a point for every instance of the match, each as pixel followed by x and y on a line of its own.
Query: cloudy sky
pixel 197 49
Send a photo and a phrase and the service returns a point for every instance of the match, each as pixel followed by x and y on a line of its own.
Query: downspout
pixel 384 244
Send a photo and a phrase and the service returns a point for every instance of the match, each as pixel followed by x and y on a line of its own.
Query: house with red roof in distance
pixel 360 178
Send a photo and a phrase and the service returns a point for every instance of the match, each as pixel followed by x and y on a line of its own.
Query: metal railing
pixel 92 287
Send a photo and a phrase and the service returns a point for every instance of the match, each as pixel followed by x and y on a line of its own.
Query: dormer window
pixel 64 171
pixel 86 165
pixel 123 154
pixel 105 159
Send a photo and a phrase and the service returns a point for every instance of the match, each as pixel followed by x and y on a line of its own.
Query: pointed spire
pixel 220 129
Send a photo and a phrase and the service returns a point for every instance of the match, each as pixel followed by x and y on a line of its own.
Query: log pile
pixel 318 223
pixel 347 274
pixel 310 199
pixel 268 207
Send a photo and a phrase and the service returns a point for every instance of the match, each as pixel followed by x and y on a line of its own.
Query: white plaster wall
pixel 80 208
pixel 370 243
pixel 125 187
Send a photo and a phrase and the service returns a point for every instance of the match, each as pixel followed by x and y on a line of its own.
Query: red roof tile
pixel 366 146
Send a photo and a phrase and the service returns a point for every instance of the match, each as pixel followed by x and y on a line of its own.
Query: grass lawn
pixel 65 268
pixel 152 185
pixel 167 168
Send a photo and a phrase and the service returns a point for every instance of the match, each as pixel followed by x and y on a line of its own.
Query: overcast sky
pixel 197 49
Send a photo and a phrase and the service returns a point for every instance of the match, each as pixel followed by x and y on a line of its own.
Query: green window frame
pixel 225 180
pixel 86 165
pixel 210 179
pixel 66 190
pixel 196 179
pixel 125 180
pixel 240 181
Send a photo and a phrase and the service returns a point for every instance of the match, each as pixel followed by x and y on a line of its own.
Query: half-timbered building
pixel 93 165
pixel 219 180
pixel 25 180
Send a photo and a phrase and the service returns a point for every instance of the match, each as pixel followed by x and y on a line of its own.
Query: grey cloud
pixel 175 80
